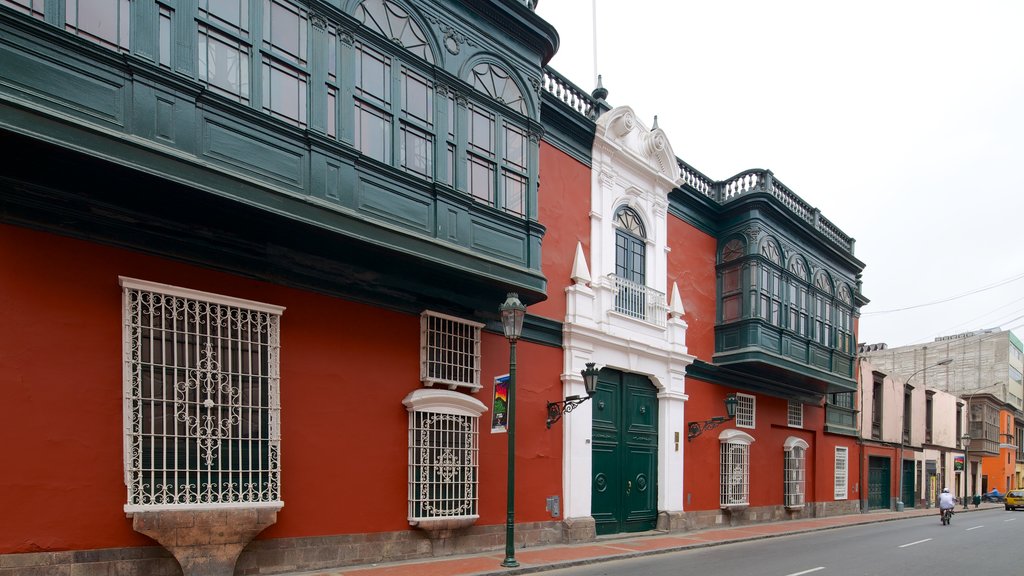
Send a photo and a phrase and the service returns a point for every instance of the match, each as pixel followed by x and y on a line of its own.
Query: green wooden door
pixel 625 453
pixel 878 483
pixel 907 484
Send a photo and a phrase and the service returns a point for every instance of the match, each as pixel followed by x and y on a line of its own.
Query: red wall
pixel 691 264
pixel 345 368
pixel 564 210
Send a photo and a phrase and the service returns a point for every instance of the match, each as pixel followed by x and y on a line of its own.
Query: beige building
pixel 911 438
pixel 984 370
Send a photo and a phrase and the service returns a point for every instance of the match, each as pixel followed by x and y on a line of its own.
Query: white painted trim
pixel 733 436
pixel 169 290
pixel 794 442
pixel 275 505
pixel 444 402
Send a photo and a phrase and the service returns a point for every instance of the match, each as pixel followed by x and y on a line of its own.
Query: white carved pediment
pixel 621 128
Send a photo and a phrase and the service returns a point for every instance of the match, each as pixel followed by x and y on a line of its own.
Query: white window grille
pixel 795 451
pixel 449 351
pixel 201 398
pixel 745 410
pixel 795 414
pixel 842 457
pixel 735 468
pixel 443 458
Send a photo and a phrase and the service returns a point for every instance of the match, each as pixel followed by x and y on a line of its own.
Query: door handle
pixel 629 486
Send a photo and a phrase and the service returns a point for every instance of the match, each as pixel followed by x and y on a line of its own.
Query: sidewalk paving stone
pixel 540 559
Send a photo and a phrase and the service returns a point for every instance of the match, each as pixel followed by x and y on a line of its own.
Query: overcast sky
pixel 903 121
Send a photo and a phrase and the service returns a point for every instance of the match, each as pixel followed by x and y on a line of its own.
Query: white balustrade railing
pixel 639 301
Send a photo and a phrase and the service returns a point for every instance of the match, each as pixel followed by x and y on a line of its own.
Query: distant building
pixel 911 445
pixel 985 372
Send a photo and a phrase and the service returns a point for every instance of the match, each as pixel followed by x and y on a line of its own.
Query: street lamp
pixel 966 439
pixel 556 409
pixel 512 313
pixel 694 429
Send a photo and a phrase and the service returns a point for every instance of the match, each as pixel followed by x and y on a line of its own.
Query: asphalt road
pixel 979 543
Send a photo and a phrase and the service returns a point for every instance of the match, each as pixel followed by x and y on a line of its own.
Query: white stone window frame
pixel 268 493
pixel 746 410
pixel 795 414
pixel 734 469
pixel 795 473
pixel 456 500
pixel 444 365
pixel 842 467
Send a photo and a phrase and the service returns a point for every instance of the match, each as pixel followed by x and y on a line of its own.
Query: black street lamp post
pixel 512 313
pixel 966 439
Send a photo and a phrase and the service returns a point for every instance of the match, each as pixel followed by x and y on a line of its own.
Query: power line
pixel 950 299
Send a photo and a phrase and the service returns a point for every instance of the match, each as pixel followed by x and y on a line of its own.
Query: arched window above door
pixel 630 263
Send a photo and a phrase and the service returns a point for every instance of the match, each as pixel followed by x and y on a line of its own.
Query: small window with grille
pixel 841 481
pixel 795 451
pixel 795 414
pixel 443 458
pixel 201 405
pixel 745 410
pixel 449 351
pixel 734 471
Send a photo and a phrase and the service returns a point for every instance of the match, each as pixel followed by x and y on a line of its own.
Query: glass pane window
pixel 284 92
pixel 202 406
pixel 284 31
pixel 481 179
pixel 373 132
pixel 499 85
pixel 394 23
pixel 373 76
pixel 166 15
pixel 770 295
pixel 32 7
pixel 481 131
pixel 105 22
pixel 515 193
pixel 514 150
pixel 417 98
pixel 224 63
pixel 417 151
pixel 230 14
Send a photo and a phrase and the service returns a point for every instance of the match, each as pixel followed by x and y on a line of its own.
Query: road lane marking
pixel 806 571
pixel 1009 520
pixel 918 542
pixel 975 528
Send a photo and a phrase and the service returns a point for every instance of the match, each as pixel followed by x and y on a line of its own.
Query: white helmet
pixel 945 489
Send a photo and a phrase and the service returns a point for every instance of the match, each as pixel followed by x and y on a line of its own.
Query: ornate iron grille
pixel 443 456
pixel 794 471
pixel 735 474
pixel 201 398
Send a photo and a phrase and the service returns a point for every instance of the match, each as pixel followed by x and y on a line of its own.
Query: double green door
pixel 625 453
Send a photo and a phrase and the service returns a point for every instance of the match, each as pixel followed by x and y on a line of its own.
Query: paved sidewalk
pixel 542 558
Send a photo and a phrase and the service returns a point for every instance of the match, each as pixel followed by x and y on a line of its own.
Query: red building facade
pixel 280 326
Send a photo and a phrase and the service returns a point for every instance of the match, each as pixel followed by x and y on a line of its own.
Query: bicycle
pixel 947 516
